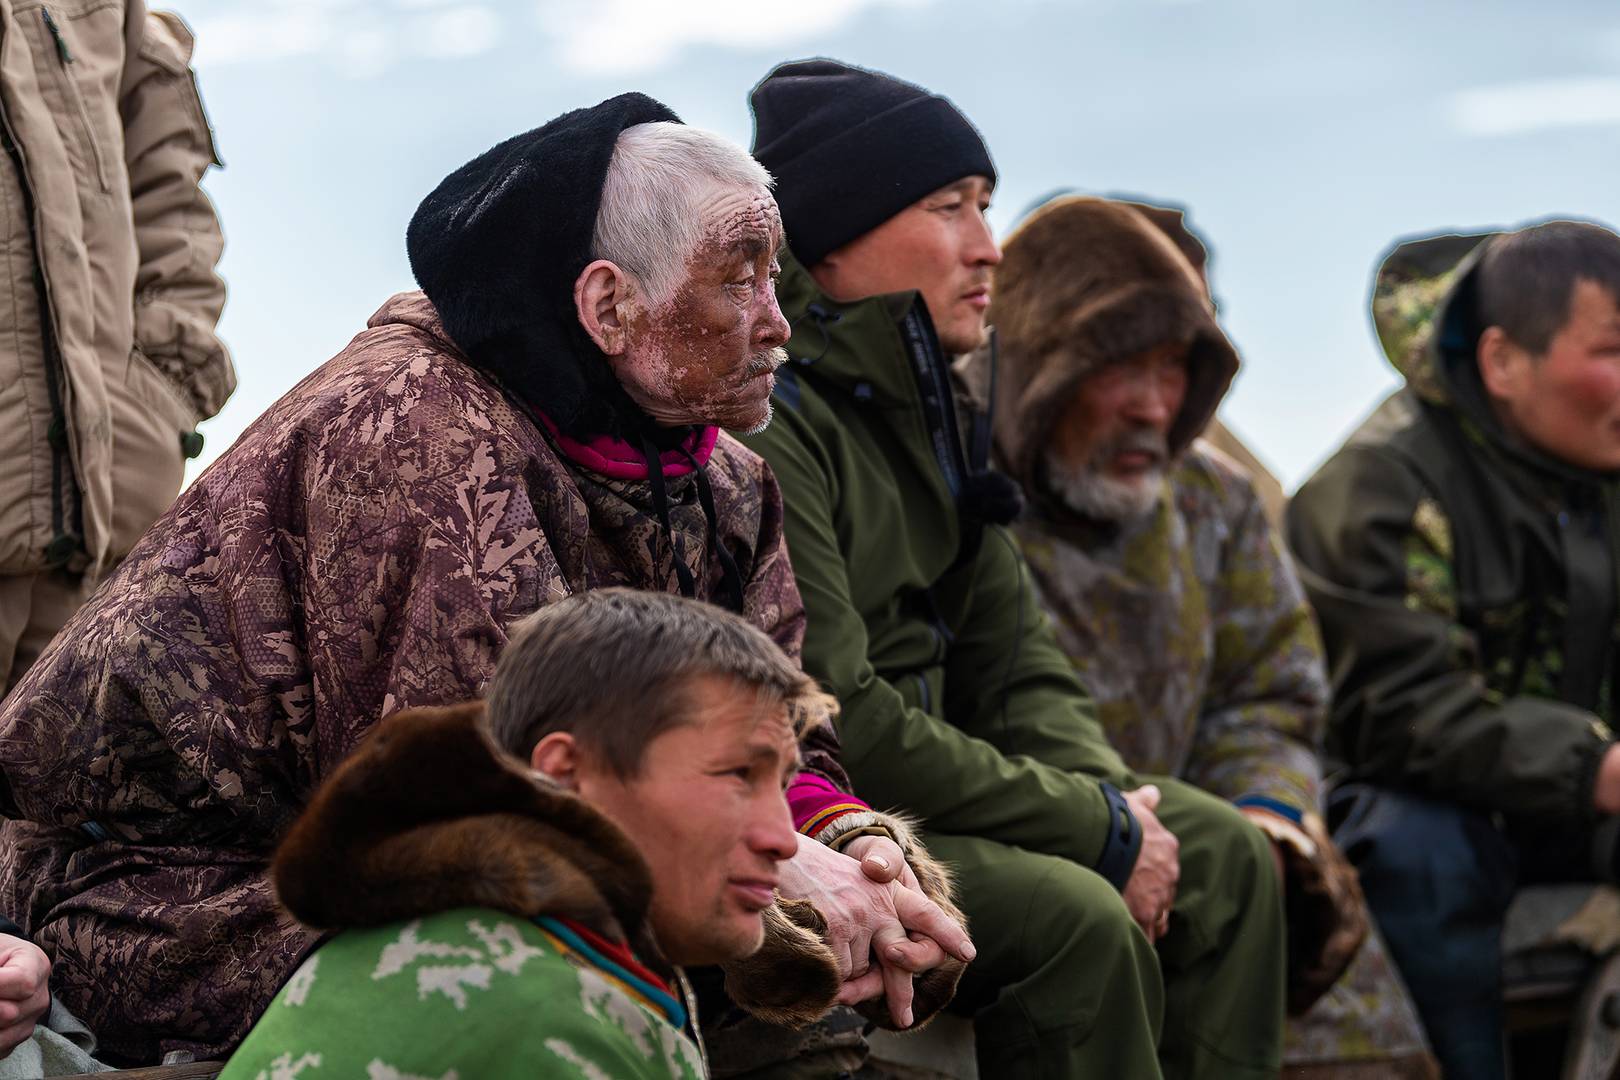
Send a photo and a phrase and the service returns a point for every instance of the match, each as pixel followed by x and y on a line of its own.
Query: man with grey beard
pixel 1168 587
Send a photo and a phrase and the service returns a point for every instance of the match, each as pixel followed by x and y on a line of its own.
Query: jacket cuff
pixel 1122 842
pixel 9 927
pixel 843 827
pixel 814 802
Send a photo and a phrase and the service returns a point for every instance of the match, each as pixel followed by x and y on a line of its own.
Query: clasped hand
pixel 881 926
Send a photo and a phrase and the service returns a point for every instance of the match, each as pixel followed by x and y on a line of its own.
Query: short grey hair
pixel 612 666
pixel 649 221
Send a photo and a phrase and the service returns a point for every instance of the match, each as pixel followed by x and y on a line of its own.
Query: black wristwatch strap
pixel 1123 841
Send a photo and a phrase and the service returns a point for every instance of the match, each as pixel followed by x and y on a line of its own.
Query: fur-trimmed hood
pixel 428 814
pixel 1084 282
pixel 1425 310
pixel 497 247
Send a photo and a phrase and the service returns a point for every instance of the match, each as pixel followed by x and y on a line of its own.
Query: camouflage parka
pixel 1466 583
pixel 1189 627
pixel 363 548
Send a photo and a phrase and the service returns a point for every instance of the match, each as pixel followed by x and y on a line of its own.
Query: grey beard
pixel 1102 498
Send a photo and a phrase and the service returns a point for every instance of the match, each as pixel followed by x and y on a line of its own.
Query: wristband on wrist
pixel 1122 842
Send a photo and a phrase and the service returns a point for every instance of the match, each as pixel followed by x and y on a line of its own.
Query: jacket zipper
pixel 65 542
pixel 939 410
pixel 56 35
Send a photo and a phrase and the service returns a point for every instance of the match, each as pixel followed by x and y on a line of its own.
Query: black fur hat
pixel 497 247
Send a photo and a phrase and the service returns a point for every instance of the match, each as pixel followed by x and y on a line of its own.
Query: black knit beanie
pixel 497 246
pixel 850 148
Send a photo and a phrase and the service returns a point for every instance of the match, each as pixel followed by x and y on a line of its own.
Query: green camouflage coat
pixel 1466 583
pixel 1189 627
pixel 1193 619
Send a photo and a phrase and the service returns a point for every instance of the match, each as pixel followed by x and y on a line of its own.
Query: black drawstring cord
pixel 823 319
pixel 731 576
pixel 655 476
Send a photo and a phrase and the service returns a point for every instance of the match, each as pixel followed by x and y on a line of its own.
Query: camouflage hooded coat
pixel 1465 581
pixel 1190 626
pixel 361 549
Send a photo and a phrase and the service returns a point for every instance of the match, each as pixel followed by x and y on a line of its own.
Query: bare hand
pixel 1150 891
pixel 863 914
pixel 24 990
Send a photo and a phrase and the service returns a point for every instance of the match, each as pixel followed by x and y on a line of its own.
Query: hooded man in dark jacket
pixel 956 702
pixel 540 420
pixel 1461 552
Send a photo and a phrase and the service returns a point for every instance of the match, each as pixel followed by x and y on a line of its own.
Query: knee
pixel 1410 844
pixel 1221 850
pixel 1082 911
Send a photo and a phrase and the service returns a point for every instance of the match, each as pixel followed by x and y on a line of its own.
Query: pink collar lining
pixel 618 460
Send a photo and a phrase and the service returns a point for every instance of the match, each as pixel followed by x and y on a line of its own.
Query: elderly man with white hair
pixel 541 419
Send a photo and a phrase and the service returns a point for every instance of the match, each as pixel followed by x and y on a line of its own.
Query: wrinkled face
pixel 1109 448
pixel 940 246
pixel 706 355
pixel 1566 402
pixel 707 810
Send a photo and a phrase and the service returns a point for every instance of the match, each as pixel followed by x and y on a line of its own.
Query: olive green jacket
pixel 957 704
pixel 1465 582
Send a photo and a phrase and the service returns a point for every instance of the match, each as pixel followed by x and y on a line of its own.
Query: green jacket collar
pixel 854 346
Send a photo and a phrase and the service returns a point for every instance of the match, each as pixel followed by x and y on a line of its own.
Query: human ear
pixel 557 756
pixel 600 293
pixel 1501 363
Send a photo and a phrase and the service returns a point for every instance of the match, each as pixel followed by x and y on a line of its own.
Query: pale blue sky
pixel 1303 136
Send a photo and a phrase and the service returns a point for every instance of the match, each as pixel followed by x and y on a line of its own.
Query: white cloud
pixel 625 36
pixel 1537 105
pixel 361 38
pixel 365 37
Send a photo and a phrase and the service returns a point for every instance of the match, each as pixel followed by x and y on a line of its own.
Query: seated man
pixel 499 922
pixel 1169 589
pixel 956 703
pixel 1460 552
pixel 541 420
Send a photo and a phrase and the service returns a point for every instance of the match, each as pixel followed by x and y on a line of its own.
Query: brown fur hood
pixel 1084 282
pixel 428 814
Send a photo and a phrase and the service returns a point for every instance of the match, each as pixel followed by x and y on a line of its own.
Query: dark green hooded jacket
pixel 1465 582
pixel 957 703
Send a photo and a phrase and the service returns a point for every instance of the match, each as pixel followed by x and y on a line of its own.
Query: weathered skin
pixel 361 549
pixel 679 367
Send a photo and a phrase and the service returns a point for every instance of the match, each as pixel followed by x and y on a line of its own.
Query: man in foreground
pixel 1105 909
pixel 1167 584
pixel 541 420
pixel 499 922
pixel 1460 552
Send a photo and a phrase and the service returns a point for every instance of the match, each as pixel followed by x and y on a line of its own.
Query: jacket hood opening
pixel 497 247
pixel 1083 283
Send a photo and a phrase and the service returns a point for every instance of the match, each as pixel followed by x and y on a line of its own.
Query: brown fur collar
pixel 1083 282
pixel 428 814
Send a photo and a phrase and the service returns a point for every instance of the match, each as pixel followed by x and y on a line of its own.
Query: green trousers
pixel 1067 985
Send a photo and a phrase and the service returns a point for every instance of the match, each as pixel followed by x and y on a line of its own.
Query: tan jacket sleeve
pixel 167 148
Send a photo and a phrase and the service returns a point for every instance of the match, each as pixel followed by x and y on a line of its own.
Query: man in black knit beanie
pixel 1126 926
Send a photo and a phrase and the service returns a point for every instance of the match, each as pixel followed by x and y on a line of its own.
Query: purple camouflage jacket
pixel 362 548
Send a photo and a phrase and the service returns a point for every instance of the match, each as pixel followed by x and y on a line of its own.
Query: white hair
pixel 650 220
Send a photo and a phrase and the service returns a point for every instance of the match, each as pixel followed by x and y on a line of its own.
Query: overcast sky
pixel 1304 137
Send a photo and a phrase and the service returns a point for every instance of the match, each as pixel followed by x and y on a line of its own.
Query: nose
pixel 1151 403
pixel 981 249
pixel 773 835
pixel 773 330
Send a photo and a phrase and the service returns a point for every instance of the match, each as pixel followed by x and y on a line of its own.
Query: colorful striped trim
pixel 1275 806
pixel 828 814
pixel 643 986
